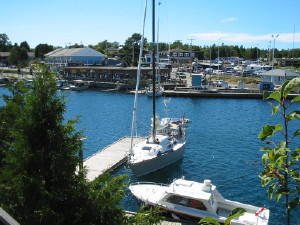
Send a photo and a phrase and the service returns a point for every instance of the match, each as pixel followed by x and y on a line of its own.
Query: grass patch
pixel 236 79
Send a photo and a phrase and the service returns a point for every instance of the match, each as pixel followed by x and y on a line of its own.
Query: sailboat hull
pixel 151 165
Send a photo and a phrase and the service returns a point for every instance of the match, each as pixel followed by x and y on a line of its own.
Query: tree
pixel 177 45
pixel 281 162
pixel 132 47
pixel 5 44
pixel 25 45
pixel 42 49
pixel 76 46
pixel 17 55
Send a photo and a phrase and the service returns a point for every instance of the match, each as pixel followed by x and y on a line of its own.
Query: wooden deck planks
pixel 108 158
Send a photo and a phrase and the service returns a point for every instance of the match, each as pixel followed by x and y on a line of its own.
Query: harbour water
pixel 222 143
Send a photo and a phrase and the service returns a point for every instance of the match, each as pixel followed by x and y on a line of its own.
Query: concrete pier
pixel 109 158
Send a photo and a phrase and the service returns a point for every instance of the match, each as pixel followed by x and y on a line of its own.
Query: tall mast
pixel 153 69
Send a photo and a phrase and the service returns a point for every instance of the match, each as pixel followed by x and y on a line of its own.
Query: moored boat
pixel 193 200
pixel 79 85
pixel 158 92
pixel 154 154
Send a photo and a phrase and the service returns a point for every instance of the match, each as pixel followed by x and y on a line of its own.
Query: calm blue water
pixel 222 143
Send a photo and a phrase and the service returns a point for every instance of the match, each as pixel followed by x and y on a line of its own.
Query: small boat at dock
pixel 193 200
pixel 79 85
pixel 166 148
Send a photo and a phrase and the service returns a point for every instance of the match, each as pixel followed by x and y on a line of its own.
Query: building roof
pixel 4 54
pixel 281 73
pixel 68 52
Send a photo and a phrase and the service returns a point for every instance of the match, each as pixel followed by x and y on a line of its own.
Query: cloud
pixel 229 20
pixel 244 37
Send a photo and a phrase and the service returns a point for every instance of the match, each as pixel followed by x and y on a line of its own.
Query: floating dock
pixel 208 94
pixel 109 158
pixel 219 94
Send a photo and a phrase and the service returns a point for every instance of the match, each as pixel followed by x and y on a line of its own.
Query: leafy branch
pixel 281 163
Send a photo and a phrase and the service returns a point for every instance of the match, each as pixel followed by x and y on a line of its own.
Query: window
pixel 146 148
pixel 180 54
pixel 196 204
pixel 177 200
pixel 186 54
pixel 192 203
pixel 175 54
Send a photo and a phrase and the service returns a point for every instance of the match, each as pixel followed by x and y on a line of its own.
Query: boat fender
pixel 259 211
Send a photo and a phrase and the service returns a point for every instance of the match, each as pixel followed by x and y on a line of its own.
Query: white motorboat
pixel 192 200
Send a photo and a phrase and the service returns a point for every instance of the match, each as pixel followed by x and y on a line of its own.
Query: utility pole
pixel 191 39
pixel 274 36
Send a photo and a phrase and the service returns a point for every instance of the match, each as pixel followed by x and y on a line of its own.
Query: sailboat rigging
pixel 167 139
pixel 155 58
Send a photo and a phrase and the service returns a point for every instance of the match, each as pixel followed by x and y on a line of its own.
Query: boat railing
pixel 146 182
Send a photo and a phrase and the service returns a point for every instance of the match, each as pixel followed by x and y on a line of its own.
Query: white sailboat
pixel 193 200
pixel 164 145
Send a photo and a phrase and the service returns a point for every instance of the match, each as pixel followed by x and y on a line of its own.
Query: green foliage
pixel 17 55
pixel 25 45
pixel 281 163
pixel 131 48
pixel 237 212
pixel 76 46
pixel 145 216
pixel 104 45
pixel 5 44
pixel 209 221
pixel 42 49
pixel 269 131
pixel 234 214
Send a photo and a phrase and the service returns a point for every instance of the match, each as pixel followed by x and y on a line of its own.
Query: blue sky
pixel 238 22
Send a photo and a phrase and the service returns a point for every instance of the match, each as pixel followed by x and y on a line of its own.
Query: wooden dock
pixel 109 158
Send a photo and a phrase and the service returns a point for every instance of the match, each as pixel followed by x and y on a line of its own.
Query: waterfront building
pixel 126 75
pixel 182 55
pixel 278 76
pixel 74 56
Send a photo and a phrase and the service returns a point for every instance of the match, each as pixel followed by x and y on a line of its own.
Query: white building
pixel 75 56
pixel 278 76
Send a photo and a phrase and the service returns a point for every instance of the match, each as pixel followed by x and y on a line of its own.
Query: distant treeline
pixel 130 50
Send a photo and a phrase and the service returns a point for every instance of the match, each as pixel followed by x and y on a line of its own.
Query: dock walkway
pixel 108 158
